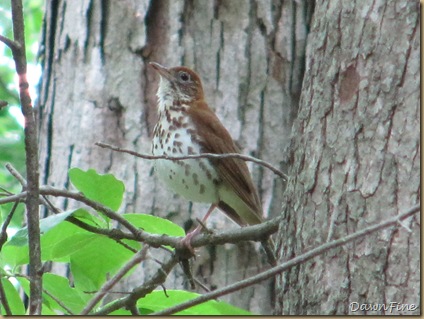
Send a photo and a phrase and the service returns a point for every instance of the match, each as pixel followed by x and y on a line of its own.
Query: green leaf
pixel 157 301
pixel 88 218
pixel 12 296
pixel 105 189
pixel 21 236
pixel 98 260
pixel 48 302
pixel 72 244
pixel 154 224
pixel 59 287
pixel 120 312
pixel 13 256
pixel 58 243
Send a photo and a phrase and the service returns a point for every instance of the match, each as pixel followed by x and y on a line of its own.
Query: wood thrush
pixel 186 125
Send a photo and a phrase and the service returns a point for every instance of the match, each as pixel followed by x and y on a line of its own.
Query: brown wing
pixel 233 172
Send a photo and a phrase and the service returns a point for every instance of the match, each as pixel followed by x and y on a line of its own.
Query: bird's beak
pixel 163 71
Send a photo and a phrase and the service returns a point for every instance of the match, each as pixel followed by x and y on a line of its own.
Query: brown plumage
pixel 233 172
pixel 186 125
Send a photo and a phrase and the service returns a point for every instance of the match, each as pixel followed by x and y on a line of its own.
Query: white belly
pixel 194 179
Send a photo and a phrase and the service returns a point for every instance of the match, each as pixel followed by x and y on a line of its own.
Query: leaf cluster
pixel 92 258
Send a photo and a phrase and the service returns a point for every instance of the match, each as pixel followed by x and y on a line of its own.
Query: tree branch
pixel 4 301
pixel 14 46
pixel 47 190
pixel 236 235
pixel 3 233
pixel 59 302
pixel 16 175
pixel 141 291
pixel 203 155
pixel 393 221
pixel 31 149
pixel 255 232
pixel 137 258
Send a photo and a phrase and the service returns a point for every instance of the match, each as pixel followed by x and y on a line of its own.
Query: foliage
pixel 92 258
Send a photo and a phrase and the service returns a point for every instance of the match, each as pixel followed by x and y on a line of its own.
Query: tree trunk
pixel 356 161
pixel 97 86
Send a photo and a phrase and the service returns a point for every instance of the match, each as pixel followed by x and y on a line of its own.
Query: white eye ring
pixel 184 76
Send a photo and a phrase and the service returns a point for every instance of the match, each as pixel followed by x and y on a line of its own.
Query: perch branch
pixel 393 221
pixel 203 155
pixel 254 233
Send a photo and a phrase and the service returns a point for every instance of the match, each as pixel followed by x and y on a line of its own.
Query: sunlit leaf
pixel 105 189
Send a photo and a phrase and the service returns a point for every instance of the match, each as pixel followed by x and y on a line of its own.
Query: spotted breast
pixel 174 135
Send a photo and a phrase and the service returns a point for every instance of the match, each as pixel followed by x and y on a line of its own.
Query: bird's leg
pixel 186 241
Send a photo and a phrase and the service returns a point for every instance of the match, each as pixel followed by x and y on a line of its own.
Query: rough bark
pixel 356 160
pixel 97 86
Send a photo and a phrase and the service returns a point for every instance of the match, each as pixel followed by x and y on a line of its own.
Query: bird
pixel 186 125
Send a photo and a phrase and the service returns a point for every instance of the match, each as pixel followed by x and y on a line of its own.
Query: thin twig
pixel 203 155
pixel 6 192
pixel 111 233
pixel 129 301
pixel 59 302
pixel 3 234
pixel 253 233
pixel 333 219
pixel 137 258
pixel 13 198
pixel 287 265
pixel 3 104
pixel 47 190
pixel 13 45
pixel 4 301
pixel 233 236
pixel 13 171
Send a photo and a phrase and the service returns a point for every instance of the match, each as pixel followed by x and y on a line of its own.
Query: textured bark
pixel 97 86
pixel 356 160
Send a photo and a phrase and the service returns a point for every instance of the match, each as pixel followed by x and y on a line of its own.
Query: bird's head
pixel 179 84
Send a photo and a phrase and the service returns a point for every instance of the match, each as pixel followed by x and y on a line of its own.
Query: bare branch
pixel 13 198
pixel 137 258
pixel 130 301
pixel 203 155
pixel 59 302
pixel 14 46
pixel 16 175
pixel 3 103
pixel 47 190
pixel 31 149
pixel 4 301
pixel 3 234
pixel 393 221
pixel 253 233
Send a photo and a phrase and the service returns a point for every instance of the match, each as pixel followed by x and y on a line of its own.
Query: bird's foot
pixel 186 241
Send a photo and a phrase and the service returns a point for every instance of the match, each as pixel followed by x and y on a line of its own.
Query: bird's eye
pixel 184 76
